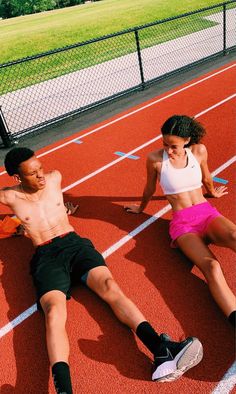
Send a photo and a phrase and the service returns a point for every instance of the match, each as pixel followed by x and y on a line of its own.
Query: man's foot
pixel 176 358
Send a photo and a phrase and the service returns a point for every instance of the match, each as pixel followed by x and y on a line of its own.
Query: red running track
pixel 105 356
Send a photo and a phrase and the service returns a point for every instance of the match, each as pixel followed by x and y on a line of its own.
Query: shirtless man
pixel 62 256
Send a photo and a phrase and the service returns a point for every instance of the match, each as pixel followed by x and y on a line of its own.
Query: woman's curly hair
pixel 185 127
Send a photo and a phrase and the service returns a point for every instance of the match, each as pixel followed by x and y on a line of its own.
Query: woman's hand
pixel 220 191
pixel 132 208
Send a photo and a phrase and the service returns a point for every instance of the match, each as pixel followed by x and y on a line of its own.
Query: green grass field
pixel 32 34
pixel 29 35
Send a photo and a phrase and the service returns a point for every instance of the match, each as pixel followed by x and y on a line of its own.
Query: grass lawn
pixel 33 34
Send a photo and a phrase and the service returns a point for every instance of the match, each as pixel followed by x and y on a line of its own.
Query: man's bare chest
pixel 33 210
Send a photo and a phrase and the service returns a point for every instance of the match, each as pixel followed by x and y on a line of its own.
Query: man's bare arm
pixel 7 196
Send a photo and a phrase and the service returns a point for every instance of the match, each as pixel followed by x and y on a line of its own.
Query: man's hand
pixel 19 231
pixel 132 208
pixel 71 208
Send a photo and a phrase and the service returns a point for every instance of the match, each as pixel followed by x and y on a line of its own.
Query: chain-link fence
pixel 43 89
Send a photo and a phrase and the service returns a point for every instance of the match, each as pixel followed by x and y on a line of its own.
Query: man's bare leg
pixel 54 307
pixel 171 359
pixel 101 281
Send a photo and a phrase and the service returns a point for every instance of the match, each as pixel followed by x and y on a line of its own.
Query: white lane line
pixel 224 166
pixel 136 231
pixel 19 319
pixel 11 325
pixel 228 382
pixel 216 105
pixel 133 112
pixel 139 109
pixel 112 163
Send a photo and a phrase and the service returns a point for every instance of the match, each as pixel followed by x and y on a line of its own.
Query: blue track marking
pixel 220 180
pixel 78 141
pixel 129 156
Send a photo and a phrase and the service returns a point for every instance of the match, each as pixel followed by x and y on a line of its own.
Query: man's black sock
pixel 61 377
pixel 149 337
pixel 232 318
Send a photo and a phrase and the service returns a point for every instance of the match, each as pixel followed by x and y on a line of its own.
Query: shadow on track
pixel 177 283
pixel 30 357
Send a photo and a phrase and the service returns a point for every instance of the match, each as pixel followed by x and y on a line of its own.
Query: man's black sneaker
pixel 175 358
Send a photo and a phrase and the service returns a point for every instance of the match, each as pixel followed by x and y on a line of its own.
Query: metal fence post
pixel 4 132
pixel 139 58
pixel 224 29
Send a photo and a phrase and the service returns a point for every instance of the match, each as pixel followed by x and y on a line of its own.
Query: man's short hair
pixel 15 157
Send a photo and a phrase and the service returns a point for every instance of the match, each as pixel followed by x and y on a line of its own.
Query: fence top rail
pixel 122 32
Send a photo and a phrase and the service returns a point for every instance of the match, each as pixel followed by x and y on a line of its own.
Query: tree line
pixel 12 8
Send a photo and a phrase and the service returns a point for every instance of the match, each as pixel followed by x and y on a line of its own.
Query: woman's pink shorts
pixel 194 219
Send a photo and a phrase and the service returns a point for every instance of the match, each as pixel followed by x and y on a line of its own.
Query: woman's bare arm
pixel 207 178
pixel 149 188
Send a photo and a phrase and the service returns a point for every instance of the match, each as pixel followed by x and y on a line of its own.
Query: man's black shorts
pixel 63 262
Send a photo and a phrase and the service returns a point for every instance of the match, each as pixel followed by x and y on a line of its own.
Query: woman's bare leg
pixel 198 252
pixel 222 232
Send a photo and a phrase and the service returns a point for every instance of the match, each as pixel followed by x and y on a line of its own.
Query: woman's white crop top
pixel 179 180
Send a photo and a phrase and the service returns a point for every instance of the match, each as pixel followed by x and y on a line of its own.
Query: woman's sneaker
pixel 175 358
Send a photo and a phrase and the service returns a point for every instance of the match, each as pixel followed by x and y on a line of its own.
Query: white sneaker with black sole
pixel 175 358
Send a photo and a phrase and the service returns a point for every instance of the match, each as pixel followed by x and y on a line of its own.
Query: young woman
pixel 181 169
